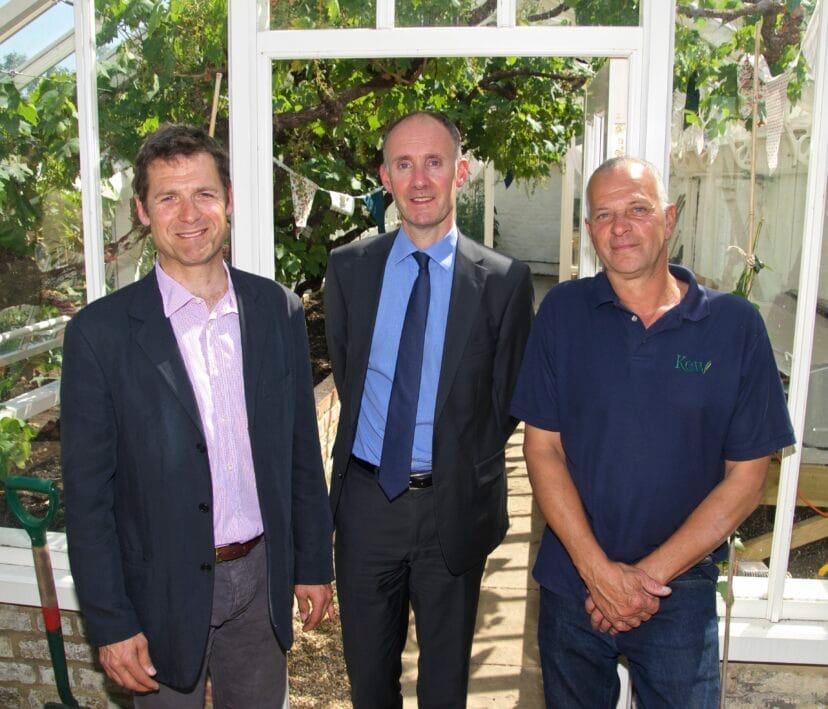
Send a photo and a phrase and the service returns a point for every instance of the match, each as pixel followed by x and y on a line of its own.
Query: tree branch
pixel 482 13
pixel 549 14
pixel 332 106
pixel 760 7
pixel 493 81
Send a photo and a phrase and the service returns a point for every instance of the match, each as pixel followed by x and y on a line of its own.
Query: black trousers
pixel 388 559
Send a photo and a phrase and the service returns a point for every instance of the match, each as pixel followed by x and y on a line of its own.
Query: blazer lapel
pixel 366 282
pixel 253 337
pixel 155 336
pixel 466 291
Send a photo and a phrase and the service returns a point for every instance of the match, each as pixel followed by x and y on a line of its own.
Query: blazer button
pixel 200 447
pixel 206 567
pixel 203 507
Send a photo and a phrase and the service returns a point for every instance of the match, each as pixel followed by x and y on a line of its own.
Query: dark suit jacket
pixel 489 316
pixel 137 478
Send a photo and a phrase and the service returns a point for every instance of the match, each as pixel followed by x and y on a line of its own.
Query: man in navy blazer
pixel 427 546
pixel 195 496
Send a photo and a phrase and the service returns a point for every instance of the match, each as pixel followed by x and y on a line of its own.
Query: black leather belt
pixel 231 552
pixel 417 481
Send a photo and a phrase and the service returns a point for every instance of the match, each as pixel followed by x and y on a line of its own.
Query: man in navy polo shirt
pixel 652 405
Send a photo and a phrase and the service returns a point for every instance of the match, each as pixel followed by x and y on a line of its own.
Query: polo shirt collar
pixel 442 252
pixel 695 305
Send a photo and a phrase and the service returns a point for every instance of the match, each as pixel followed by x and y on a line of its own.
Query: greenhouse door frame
pixel 637 122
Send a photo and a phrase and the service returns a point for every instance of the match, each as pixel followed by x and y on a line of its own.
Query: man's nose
pixel 419 175
pixel 189 210
pixel 620 223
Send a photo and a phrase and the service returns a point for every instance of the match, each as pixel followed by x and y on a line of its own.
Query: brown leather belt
pixel 229 552
pixel 417 481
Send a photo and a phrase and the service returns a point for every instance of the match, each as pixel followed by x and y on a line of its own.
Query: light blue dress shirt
pixel 398 281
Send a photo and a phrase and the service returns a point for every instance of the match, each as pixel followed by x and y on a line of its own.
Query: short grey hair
pixel 613 163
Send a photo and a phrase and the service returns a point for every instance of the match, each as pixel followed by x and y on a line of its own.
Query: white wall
pixel 528 215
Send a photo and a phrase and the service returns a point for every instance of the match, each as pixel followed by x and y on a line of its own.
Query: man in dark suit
pixel 426 330
pixel 195 497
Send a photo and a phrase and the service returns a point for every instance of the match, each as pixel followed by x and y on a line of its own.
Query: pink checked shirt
pixel 210 344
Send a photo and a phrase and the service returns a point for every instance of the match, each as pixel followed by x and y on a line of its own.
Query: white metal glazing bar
pixel 451 42
pixel 653 122
pixel 90 153
pixel 385 14
pixel 813 226
pixel 243 120
pixel 506 13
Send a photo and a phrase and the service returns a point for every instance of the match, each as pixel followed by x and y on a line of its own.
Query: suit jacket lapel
pixel 155 336
pixel 253 337
pixel 367 276
pixel 466 291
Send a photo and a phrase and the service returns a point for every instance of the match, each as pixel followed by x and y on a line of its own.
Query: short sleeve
pixel 760 424
pixel 535 400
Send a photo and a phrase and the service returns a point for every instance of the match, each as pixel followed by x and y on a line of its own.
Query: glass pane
pixel 329 118
pixel 38 35
pixel 446 13
pixel 710 182
pixel 314 14
pixel 613 13
pixel 41 260
pixel 809 544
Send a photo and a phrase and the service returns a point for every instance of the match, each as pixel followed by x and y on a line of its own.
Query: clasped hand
pixel 622 597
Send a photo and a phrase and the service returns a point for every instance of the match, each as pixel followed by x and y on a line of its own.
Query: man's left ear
pixel 143 217
pixel 670 215
pixel 462 172
pixel 228 204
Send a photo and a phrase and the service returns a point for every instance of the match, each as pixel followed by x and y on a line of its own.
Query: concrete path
pixel 505 670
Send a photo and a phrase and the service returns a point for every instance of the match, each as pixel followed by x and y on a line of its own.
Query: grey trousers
pixel 244 660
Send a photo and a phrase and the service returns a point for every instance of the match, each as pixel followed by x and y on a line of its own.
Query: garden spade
pixel 36 528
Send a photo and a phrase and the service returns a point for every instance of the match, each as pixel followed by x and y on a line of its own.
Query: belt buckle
pixel 420 481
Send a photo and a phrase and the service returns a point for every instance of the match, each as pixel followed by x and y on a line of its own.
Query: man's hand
pixel 622 597
pixel 314 602
pixel 128 663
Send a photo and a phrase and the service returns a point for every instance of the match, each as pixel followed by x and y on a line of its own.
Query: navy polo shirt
pixel 647 417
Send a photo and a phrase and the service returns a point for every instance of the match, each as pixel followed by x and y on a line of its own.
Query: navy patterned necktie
pixel 398 441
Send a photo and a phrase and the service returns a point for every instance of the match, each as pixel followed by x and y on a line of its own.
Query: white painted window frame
pixel 253 48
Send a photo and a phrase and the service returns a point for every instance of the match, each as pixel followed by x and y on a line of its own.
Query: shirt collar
pixel 174 296
pixel 695 304
pixel 441 252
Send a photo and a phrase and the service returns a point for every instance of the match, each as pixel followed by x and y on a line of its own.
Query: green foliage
pixel 519 113
pixel 601 12
pixel 509 111
pixel 712 67
pixel 32 371
pixel 15 446
pixel 38 154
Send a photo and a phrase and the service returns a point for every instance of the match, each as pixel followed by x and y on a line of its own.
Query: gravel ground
pixel 317 668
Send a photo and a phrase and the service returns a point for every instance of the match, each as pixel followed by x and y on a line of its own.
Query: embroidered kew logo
pixel 695 366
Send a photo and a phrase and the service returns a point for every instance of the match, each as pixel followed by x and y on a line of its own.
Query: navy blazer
pixel 490 313
pixel 137 478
